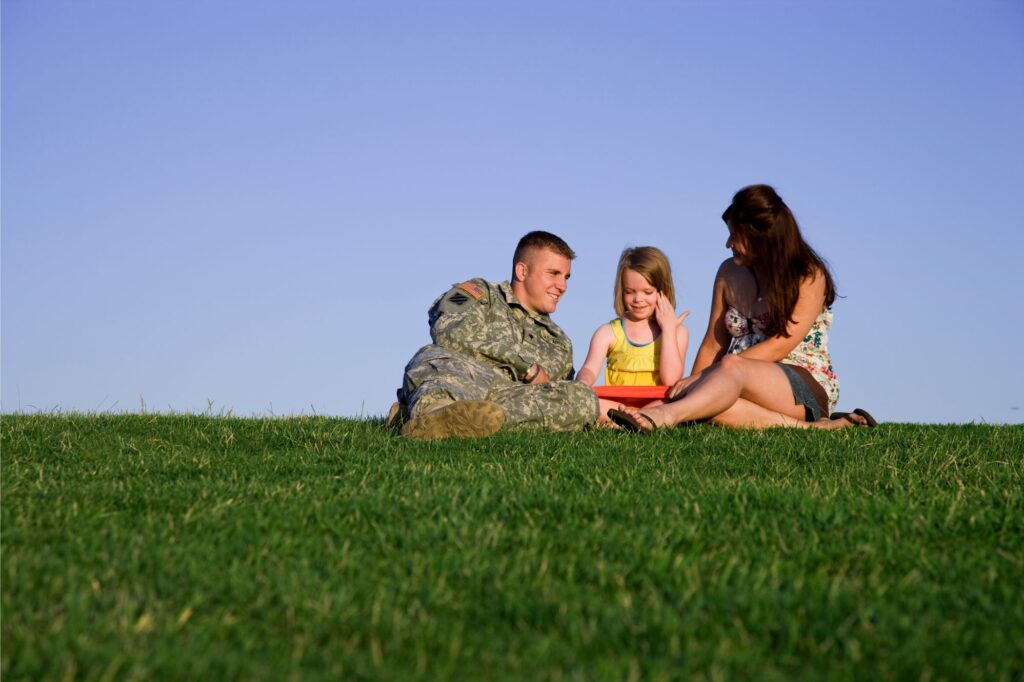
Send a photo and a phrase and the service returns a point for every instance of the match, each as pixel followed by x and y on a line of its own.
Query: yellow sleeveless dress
pixel 629 364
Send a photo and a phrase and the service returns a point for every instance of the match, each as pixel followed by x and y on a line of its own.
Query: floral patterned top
pixel 811 353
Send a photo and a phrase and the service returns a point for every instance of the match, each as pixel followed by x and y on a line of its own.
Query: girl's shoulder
pixel 606 330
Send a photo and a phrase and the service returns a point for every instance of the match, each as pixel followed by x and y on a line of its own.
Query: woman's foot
pixel 633 420
pixel 842 420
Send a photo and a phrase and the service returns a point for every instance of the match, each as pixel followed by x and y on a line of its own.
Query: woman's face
pixel 738 247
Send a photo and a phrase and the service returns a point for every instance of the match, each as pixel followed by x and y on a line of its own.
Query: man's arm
pixel 462 320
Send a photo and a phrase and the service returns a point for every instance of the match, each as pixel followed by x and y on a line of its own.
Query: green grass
pixel 143 546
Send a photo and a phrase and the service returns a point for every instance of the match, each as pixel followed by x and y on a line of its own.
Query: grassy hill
pixel 145 546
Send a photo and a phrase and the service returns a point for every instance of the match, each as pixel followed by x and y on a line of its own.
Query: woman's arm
pixel 716 338
pixel 809 305
pixel 600 343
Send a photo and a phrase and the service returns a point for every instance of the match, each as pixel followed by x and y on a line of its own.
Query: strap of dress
pixel 619 331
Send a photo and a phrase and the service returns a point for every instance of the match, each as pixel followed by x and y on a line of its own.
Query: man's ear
pixel 520 270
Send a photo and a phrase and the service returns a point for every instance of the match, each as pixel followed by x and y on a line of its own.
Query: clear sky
pixel 248 206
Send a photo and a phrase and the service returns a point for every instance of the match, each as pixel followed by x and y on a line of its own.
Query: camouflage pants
pixel 436 375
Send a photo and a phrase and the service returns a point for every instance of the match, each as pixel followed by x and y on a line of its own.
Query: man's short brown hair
pixel 539 239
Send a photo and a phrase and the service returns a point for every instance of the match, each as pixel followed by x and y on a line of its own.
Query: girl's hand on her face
pixel 664 313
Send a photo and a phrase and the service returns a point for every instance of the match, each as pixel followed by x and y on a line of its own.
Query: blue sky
pixel 249 206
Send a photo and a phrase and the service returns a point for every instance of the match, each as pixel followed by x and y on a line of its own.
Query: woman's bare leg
pixel 603 406
pixel 723 384
pixel 747 415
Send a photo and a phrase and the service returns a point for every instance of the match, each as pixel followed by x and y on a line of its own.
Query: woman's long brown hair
pixel 777 252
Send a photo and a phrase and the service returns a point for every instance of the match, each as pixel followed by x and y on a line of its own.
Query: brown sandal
pixel 871 423
pixel 629 421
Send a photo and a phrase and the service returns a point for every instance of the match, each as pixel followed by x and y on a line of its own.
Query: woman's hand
pixel 678 389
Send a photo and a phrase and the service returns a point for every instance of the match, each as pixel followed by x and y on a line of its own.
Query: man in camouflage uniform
pixel 498 361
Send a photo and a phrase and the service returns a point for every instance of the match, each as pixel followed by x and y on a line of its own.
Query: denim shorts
pixel 806 392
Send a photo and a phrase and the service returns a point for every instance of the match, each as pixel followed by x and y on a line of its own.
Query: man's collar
pixel 510 298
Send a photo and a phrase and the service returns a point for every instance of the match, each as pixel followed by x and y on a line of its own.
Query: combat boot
pixel 462 419
pixel 395 417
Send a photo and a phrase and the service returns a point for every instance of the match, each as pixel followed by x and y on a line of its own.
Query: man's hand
pixel 536 375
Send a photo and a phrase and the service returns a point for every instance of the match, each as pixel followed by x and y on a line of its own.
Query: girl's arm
pixel 808 306
pixel 682 342
pixel 716 338
pixel 672 358
pixel 600 344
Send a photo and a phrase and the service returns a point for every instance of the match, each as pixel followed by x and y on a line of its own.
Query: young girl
pixel 646 344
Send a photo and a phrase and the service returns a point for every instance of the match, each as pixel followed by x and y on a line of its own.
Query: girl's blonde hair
pixel 653 265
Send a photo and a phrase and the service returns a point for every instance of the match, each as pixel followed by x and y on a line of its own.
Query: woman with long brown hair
pixel 764 360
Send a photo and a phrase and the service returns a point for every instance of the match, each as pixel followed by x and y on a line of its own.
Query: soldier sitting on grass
pixel 498 361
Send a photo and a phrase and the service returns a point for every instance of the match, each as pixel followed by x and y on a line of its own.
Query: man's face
pixel 541 279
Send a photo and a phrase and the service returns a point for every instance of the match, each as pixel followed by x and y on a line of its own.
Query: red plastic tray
pixel 637 396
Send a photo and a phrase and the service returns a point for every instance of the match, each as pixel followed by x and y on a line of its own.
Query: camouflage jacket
pixel 487 322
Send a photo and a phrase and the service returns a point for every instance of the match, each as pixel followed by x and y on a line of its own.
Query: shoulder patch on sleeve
pixel 461 297
pixel 458 298
pixel 471 288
